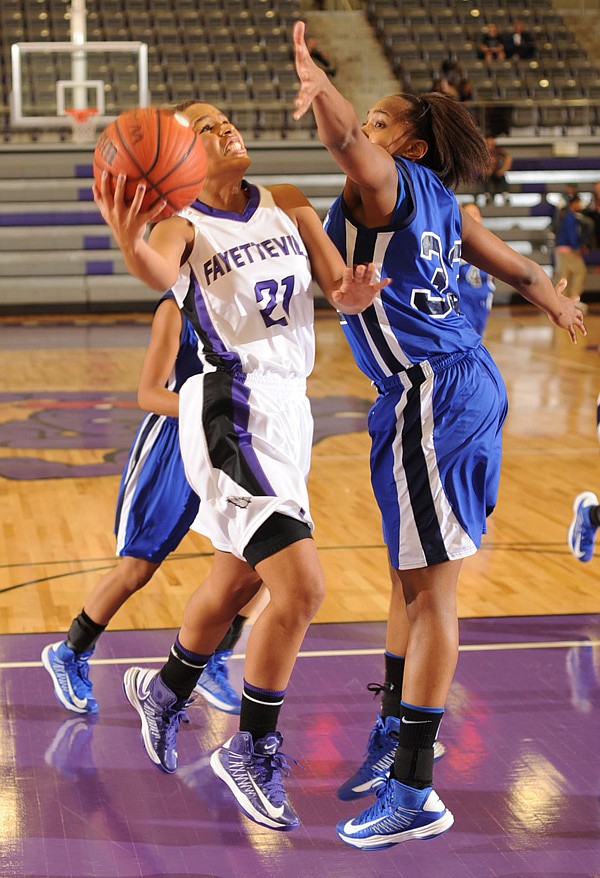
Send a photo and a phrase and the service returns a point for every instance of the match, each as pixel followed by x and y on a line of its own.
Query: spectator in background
pixel 573 238
pixel 500 162
pixel 455 80
pixel 319 57
pixel 593 212
pixel 491 47
pixel 519 43
pixel 443 86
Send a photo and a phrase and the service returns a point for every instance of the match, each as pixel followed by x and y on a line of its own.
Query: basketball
pixel 158 148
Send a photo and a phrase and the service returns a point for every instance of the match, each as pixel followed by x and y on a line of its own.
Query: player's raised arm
pixel 155 261
pixel 160 151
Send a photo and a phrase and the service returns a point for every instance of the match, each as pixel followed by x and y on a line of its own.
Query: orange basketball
pixel 158 148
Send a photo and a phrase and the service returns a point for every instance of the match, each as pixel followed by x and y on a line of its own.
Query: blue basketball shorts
pixel 156 505
pixel 436 434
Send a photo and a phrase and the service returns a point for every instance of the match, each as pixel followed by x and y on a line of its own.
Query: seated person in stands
pixel 443 86
pixel 454 81
pixel 519 43
pixel 500 162
pixel 491 47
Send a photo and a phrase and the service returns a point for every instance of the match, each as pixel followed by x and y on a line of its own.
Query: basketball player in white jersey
pixel 155 509
pixel 241 257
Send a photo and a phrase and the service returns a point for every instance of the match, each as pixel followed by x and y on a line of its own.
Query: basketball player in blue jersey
pixel 245 254
pixel 436 424
pixel 475 286
pixel 155 509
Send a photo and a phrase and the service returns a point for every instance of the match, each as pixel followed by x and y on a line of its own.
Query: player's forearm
pixel 538 289
pixel 337 122
pixel 149 266
pixel 159 400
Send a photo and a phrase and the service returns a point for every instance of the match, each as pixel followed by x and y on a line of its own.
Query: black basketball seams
pixel 129 152
pixel 175 167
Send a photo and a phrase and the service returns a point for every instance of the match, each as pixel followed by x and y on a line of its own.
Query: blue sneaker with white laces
pixel 400 813
pixel 161 713
pixel 581 535
pixel 381 749
pixel 214 684
pixel 70 672
pixel 253 771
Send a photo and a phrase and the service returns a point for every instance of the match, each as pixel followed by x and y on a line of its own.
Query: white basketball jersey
pixel 250 281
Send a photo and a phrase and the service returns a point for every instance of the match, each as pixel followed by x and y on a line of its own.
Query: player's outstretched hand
pixel 312 77
pixel 126 222
pixel 358 289
pixel 569 316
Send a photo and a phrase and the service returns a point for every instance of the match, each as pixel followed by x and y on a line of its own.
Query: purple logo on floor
pixel 55 423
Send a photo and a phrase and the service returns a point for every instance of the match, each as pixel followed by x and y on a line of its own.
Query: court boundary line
pixel 333 653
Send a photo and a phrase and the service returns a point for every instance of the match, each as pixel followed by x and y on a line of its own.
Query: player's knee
pixel 135 573
pixel 307 596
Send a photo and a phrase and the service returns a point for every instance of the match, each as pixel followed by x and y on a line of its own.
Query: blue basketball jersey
pixel 476 291
pixel 415 316
pixel 156 505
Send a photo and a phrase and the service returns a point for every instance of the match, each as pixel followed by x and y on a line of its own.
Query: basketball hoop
pixel 83 124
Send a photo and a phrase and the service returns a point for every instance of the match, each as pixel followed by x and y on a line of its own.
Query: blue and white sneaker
pixel 214 684
pixel 70 672
pixel 381 750
pixel 581 535
pixel 160 712
pixel 253 772
pixel 399 814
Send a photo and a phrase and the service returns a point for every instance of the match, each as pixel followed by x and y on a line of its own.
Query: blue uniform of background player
pixel 436 424
pixel 475 286
pixel 155 509
pixel 476 292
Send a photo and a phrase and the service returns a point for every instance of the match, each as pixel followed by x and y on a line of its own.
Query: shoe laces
pixel 270 769
pixel 384 801
pixel 378 739
pixel 586 528
pixel 376 688
pixel 78 670
pixel 217 669
pixel 171 718
pixel 83 666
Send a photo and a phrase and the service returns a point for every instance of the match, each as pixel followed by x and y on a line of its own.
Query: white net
pixel 83 125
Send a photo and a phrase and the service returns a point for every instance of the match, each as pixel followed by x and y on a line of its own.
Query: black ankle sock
pixel 83 633
pixel 260 710
pixel 413 763
pixel 392 691
pixel 182 670
pixel 233 634
pixel 595 515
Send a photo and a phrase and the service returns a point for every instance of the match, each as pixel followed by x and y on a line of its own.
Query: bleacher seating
pixel 237 54
pixel 206 48
pixel 197 48
pixel 417 37
pixel 56 253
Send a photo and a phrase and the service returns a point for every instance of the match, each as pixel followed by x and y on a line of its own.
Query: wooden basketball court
pixel 58 488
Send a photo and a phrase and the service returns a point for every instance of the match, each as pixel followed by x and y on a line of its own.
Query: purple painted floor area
pixel 521 775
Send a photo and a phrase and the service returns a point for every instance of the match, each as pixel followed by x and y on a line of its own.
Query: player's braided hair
pixel 457 151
